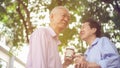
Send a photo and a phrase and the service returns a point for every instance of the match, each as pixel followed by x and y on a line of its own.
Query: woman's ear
pixel 94 30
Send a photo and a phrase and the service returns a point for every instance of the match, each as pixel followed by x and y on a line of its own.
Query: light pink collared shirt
pixel 43 51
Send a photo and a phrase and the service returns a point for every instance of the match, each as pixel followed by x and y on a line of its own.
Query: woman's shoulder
pixel 104 38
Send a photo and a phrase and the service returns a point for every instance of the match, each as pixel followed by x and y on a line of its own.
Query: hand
pixel 68 60
pixel 77 58
pixel 69 56
pixel 80 62
pixel 83 64
pixel 93 65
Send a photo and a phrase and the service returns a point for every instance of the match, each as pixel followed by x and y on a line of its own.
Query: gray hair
pixel 58 7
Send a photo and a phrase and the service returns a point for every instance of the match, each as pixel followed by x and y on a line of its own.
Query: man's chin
pixel 63 27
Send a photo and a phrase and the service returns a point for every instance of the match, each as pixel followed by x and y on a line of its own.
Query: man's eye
pixel 63 15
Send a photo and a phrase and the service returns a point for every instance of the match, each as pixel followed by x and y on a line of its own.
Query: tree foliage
pixel 17 16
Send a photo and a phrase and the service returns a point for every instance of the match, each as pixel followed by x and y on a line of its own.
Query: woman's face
pixel 86 31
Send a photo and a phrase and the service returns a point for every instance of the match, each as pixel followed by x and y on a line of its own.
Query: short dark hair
pixel 94 24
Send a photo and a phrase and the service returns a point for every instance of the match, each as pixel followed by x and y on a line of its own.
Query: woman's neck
pixel 90 40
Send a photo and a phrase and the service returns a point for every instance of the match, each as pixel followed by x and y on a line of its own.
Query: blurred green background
pixel 19 18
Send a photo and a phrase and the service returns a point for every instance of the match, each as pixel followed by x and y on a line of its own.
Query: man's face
pixel 86 31
pixel 61 18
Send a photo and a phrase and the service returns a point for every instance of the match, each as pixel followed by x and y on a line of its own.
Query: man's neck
pixel 57 31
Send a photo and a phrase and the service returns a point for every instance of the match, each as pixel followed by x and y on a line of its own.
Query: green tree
pixel 15 17
pixel 19 19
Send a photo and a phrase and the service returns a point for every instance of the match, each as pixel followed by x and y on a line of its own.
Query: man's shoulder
pixel 40 30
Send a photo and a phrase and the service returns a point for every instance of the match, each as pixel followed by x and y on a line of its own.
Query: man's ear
pixel 51 16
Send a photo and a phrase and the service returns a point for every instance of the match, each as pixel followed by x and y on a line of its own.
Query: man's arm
pixel 37 54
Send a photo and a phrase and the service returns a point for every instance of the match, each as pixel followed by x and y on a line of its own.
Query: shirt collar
pixel 94 42
pixel 52 32
pixel 54 35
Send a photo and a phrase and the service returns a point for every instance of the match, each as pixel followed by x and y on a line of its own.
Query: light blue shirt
pixel 104 53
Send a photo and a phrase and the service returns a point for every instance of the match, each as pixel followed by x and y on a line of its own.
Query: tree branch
pixel 28 16
pixel 24 22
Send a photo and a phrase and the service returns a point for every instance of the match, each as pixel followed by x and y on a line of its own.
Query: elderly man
pixel 44 41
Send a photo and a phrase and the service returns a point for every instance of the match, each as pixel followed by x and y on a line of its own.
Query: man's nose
pixel 66 19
